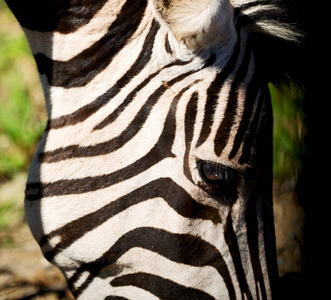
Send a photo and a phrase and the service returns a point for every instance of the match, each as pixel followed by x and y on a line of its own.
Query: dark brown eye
pixel 214 173
pixel 218 180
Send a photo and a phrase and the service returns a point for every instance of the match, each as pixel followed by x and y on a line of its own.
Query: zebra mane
pixel 269 17
pixel 278 35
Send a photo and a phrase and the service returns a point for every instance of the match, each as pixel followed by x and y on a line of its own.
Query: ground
pixel 25 274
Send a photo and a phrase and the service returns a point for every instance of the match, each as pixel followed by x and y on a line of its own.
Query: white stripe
pixel 205 278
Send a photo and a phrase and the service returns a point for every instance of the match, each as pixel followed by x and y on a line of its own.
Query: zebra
pixel 153 179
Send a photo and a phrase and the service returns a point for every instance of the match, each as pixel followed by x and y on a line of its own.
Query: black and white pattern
pixel 153 178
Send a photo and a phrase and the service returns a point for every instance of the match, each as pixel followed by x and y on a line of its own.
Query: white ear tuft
pixel 200 24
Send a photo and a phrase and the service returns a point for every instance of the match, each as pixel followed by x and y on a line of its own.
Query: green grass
pixel 22 113
pixel 10 214
pixel 289 132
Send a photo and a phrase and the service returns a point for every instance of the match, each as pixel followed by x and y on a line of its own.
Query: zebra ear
pixel 199 24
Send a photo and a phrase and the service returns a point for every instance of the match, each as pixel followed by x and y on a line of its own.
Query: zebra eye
pixel 218 180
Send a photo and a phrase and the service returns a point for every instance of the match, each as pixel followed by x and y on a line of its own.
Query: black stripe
pixel 81 69
pixel 253 136
pixel 250 100
pixel 115 298
pixel 190 120
pixel 86 111
pixel 164 188
pixel 167 45
pixel 224 130
pixel 181 248
pixel 213 94
pixel 161 287
pixel 252 4
pixel 232 242
pixel 49 15
pixel 251 219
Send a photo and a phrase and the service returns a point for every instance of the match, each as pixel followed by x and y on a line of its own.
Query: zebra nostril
pixel 218 180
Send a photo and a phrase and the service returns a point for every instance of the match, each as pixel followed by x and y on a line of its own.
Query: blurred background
pixel 23 271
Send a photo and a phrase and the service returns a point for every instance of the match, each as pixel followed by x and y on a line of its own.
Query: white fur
pixel 200 24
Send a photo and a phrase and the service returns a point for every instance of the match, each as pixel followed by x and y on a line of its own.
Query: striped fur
pixel 141 106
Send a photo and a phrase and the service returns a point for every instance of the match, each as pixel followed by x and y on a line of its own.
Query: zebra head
pixel 153 178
